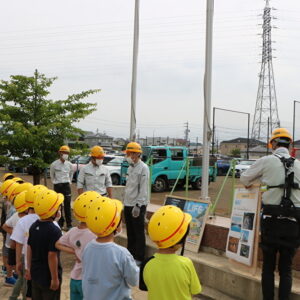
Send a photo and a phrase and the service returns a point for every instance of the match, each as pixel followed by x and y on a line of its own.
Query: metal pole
pixel 213 132
pixel 134 72
pixel 207 98
pixel 248 136
pixel 294 115
pixel 268 136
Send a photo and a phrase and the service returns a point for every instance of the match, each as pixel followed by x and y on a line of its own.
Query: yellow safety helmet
pixel 133 147
pixel 20 202
pixel 32 194
pixel 5 186
pixel 7 176
pixel 168 225
pixel 11 189
pixel 19 189
pixel 18 179
pixel 47 203
pixel 103 216
pixel 81 204
pixel 97 152
pixel 64 148
pixel 280 133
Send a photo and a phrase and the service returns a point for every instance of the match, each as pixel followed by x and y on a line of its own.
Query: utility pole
pixel 186 133
pixel 207 132
pixel 134 72
pixel 266 101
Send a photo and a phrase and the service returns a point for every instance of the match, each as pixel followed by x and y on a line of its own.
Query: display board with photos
pixel 242 242
pixel 198 209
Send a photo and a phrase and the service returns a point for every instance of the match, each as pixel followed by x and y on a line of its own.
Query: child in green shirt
pixel 167 275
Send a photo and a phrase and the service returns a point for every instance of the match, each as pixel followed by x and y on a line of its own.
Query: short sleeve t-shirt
pixel 170 276
pixel 11 222
pixel 77 239
pixel 21 232
pixel 42 238
pixel 107 271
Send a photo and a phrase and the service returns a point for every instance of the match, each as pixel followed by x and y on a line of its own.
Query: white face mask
pixel 99 162
pixel 129 160
pixel 65 156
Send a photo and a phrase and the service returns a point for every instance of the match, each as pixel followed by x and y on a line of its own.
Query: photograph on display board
pixel 245 236
pixel 245 250
pixel 197 211
pixel 233 244
pixel 236 224
pixel 248 221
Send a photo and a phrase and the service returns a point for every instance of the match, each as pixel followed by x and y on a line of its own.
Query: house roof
pixel 97 135
pixel 242 140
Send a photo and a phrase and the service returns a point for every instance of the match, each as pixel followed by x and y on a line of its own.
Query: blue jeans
pixel 76 289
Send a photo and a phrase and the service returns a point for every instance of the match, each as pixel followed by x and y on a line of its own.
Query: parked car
pixel 243 166
pixel 223 166
pixel 114 167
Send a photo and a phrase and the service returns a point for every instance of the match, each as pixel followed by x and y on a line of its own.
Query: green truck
pixel 169 163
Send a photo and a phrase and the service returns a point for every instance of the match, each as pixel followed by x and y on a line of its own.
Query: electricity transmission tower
pixel 266 113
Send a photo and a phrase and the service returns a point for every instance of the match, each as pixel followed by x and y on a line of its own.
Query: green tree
pixel 236 152
pixel 34 126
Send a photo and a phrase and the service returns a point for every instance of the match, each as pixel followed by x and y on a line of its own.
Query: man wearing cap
pixel 94 176
pixel 280 228
pixel 61 173
pixel 135 201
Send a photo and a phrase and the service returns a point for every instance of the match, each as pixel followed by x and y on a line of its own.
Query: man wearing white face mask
pixel 135 200
pixel 95 176
pixel 61 173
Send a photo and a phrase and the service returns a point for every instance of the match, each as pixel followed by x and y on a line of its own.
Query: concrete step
pixel 220 277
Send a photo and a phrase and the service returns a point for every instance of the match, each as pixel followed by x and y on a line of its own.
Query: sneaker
pixel 10 281
pixel 3 271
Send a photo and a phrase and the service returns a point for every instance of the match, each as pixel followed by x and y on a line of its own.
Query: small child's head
pixel 81 204
pixel 103 217
pixel 47 204
pixel 168 227
pixel 19 189
pixel 6 186
pixel 32 194
pixel 20 204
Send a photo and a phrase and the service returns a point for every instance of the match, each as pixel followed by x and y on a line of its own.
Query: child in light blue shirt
pixel 108 269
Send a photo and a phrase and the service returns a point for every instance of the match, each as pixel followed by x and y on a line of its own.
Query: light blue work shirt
pixel 107 271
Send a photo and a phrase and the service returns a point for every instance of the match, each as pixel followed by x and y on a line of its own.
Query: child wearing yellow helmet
pixel 21 210
pixel 108 269
pixel 167 275
pixel 76 239
pixel 43 264
pixel 21 232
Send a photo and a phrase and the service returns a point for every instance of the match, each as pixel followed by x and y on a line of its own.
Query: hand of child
pixel 77 259
pixel 19 268
pixel 54 284
pixel 136 211
pixel 27 275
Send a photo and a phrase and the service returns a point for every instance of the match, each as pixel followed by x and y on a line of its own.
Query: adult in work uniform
pixel 95 176
pixel 280 175
pixel 135 201
pixel 61 173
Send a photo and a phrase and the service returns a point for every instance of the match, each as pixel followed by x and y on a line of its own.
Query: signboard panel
pixel 243 231
pixel 198 209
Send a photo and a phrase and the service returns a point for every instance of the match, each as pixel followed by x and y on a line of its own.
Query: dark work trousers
pixel 65 189
pixel 286 255
pixel 136 241
pixel 40 292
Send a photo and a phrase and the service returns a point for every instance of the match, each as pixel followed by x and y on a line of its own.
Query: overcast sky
pixel 88 45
